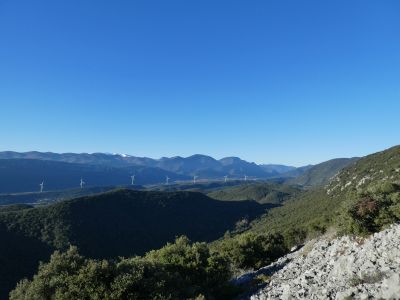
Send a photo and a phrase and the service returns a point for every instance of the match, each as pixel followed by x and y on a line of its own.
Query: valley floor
pixel 343 268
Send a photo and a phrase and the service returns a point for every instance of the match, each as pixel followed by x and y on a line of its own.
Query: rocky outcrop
pixel 343 268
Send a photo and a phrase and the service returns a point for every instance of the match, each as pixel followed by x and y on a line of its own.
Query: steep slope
pixel 320 174
pixel 383 166
pixel 118 223
pixel 364 197
pixel 343 268
pixel 260 192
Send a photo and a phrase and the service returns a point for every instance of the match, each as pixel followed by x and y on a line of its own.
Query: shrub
pixel 178 271
pixel 295 236
pixel 363 213
pixel 250 250
pixel 377 208
pixel 200 271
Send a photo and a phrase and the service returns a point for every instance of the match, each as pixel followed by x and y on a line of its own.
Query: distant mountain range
pixel 22 172
pixel 199 165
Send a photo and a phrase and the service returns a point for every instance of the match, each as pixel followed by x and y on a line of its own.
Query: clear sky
pixel 291 82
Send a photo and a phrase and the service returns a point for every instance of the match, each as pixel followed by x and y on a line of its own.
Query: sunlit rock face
pixel 343 268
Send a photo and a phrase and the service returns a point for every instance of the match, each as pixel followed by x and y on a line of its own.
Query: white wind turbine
pixel 132 179
pixel 41 186
pixel 82 183
pixel 194 179
pixel 167 180
pixel 245 177
pixel 226 178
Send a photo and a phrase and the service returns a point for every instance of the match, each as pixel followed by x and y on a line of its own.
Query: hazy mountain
pixel 22 172
pixel 295 172
pixel 195 164
pixel 200 165
pixel 279 169
pixel 235 166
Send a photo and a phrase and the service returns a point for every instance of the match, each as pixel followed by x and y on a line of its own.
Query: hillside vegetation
pixel 53 196
pixel 118 223
pixel 178 271
pixel 260 192
pixel 320 174
pixel 362 198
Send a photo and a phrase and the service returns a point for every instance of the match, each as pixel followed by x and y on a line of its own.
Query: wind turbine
pixel 194 179
pixel 167 180
pixel 82 183
pixel 133 179
pixel 245 177
pixel 41 186
pixel 226 178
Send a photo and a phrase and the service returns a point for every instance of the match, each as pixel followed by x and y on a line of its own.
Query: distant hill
pixel 47 197
pixel 260 192
pixel 25 175
pixel 279 169
pixel 141 215
pixel 117 223
pixel 237 167
pixel 320 174
pixel 295 172
pixel 203 187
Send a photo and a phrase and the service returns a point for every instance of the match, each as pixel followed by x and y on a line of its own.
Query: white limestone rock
pixel 346 267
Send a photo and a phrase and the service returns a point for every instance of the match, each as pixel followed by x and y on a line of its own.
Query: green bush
pixel 178 271
pixel 377 208
pixel 250 250
pixel 200 271
pixel 295 236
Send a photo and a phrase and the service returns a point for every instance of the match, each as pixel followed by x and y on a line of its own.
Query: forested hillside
pixel 320 174
pixel 362 198
pixel 117 223
pixel 53 196
pixel 260 192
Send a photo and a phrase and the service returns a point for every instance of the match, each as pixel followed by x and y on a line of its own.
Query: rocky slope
pixel 343 268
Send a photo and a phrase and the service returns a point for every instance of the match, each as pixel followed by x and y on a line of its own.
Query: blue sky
pixel 291 82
